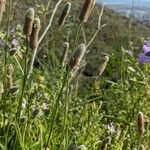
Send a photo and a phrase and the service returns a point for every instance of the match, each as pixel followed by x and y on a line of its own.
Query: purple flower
pixel 15 42
pixel 145 56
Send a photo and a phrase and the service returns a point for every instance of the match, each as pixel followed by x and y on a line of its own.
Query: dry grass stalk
pixel 64 14
pixel 29 18
pixel 2 8
pixel 103 66
pixel 65 53
pixel 77 56
pixel 34 37
pixel 86 10
pixel 140 123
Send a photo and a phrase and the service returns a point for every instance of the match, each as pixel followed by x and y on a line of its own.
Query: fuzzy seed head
pixel 64 14
pixel 10 70
pixel 2 8
pixel 86 10
pixel 65 53
pixel 34 41
pixel 77 56
pixel 10 76
pixel 103 65
pixel 29 18
pixel 140 123
pixel 1 89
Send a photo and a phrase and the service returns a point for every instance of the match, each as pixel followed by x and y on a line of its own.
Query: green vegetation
pixel 98 99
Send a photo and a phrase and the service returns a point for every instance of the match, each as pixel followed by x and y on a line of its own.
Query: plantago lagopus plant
pixel 102 67
pixel 35 34
pixel 10 76
pixel 2 8
pixel 64 14
pixel 77 56
pixel 29 18
pixel 86 10
pixel 140 123
pixel 65 53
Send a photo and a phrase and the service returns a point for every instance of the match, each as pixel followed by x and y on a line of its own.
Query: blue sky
pixel 136 2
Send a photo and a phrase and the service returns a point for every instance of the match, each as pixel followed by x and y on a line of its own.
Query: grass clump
pixel 49 97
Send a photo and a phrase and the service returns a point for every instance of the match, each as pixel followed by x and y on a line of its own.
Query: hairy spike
pixel 64 14
pixel 77 56
pixel 65 53
pixel 2 8
pixel 35 33
pixel 140 123
pixel 10 76
pixel 86 10
pixel 29 18
pixel 103 65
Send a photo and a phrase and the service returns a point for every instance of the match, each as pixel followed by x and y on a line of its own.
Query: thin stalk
pixel 6 61
pixel 77 34
pixel 66 106
pixel 24 80
pixel 54 113
pixel 32 63
pixel 99 27
pixel 19 65
pixel 50 21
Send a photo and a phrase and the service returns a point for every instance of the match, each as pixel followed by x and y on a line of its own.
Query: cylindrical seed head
pixel 102 67
pixel 10 76
pixel 140 123
pixel 86 10
pixel 77 56
pixel 65 53
pixel 29 18
pixel 2 8
pixel 64 14
pixel 34 37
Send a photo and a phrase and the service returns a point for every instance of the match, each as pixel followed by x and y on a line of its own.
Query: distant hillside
pixel 112 37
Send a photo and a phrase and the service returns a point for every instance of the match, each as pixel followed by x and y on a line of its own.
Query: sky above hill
pixel 126 2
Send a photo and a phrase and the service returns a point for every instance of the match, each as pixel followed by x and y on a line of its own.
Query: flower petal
pixel 146 47
pixel 142 58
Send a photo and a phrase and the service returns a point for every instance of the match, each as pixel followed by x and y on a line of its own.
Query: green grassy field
pixel 96 97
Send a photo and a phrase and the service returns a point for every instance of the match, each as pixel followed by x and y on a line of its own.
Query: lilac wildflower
pixel 15 42
pixel 145 56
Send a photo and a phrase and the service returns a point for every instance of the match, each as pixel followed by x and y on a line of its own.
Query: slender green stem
pixel 24 80
pixel 6 62
pixel 54 113
pixel 66 106
pixel 77 34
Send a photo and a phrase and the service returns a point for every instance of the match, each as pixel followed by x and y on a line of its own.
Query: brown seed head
pixel 35 34
pixel 29 18
pixel 2 8
pixel 86 10
pixel 140 123
pixel 103 65
pixel 64 14
pixel 77 56
pixel 65 53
